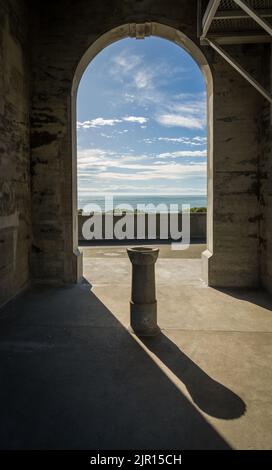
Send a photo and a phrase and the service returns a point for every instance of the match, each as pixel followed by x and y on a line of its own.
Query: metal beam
pixel 240 14
pixel 209 16
pixel 240 70
pixel 254 15
pixel 234 37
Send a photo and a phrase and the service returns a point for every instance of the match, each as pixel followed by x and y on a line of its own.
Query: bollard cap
pixel 142 255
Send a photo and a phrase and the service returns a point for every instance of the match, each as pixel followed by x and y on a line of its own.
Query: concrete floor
pixel 73 376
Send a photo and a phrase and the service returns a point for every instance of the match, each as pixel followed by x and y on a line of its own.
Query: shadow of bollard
pixel 210 396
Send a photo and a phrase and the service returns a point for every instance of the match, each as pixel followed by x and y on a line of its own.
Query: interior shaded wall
pixel 266 179
pixel 15 217
pixel 236 185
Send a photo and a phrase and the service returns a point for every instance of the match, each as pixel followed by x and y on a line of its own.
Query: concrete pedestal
pixel 143 305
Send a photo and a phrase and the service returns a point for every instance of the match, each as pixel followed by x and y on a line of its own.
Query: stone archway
pixel 77 33
pixel 140 31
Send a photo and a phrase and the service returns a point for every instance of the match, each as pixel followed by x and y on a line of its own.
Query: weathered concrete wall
pixel 236 211
pixel 63 34
pixel 266 180
pixel 15 227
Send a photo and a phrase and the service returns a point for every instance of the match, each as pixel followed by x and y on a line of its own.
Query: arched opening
pixel 170 34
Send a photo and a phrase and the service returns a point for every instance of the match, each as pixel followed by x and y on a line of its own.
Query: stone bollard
pixel 143 304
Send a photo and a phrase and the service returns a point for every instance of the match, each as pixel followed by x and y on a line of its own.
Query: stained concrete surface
pixel 74 377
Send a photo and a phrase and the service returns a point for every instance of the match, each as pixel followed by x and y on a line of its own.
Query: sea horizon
pixel 133 200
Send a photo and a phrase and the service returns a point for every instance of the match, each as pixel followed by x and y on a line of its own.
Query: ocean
pixel 121 200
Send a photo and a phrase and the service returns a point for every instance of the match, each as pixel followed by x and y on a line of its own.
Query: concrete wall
pixel 198 223
pixel 62 37
pixel 236 187
pixel 15 223
pixel 265 174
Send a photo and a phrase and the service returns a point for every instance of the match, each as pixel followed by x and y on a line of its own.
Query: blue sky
pixel 141 121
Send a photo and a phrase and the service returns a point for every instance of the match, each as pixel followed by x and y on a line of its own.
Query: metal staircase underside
pixel 230 22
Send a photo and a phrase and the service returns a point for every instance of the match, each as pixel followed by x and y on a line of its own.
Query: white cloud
pixel 175 120
pixel 197 141
pixel 187 111
pixel 137 190
pixel 95 165
pixel 138 119
pixel 194 141
pixel 184 153
pixel 171 171
pixel 95 159
pixel 191 108
pixel 144 94
pixel 180 140
pixel 129 97
pixel 98 122
pixel 200 139
pixel 106 136
pixel 123 131
pixel 125 61
pixel 132 69
pixel 143 79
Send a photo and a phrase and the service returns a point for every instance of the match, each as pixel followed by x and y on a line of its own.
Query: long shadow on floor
pixel 72 377
pixel 209 395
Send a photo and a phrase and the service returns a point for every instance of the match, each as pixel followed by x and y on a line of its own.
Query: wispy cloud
pixel 124 131
pixel 96 159
pixel 138 119
pixel 142 90
pixel 138 189
pixel 202 140
pixel 184 154
pixel 143 78
pixel 156 172
pixel 142 87
pixel 125 62
pixel 176 120
pixel 101 122
pixel 97 164
pixel 193 141
pixel 106 136
pixel 97 122
pixel 185 112
pixel 133 68
pixel 199 141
